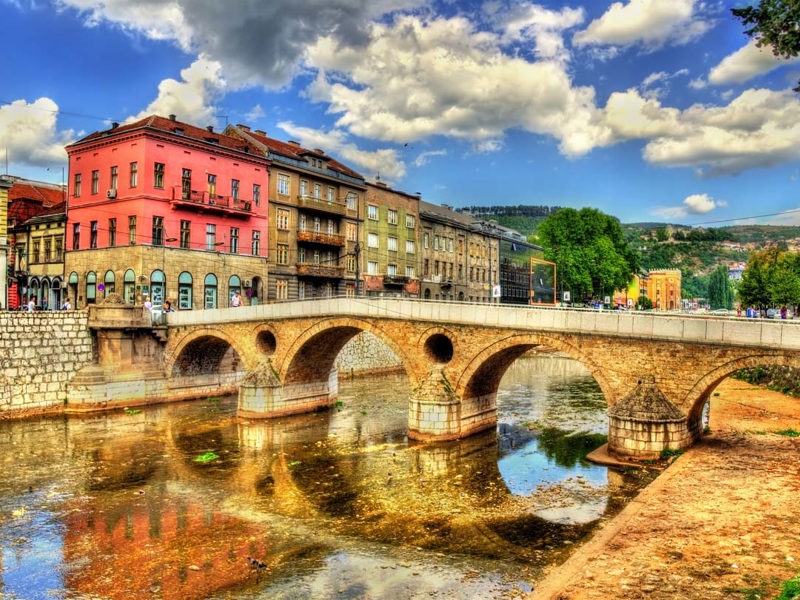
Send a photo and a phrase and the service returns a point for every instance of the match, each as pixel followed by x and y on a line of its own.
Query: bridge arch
pixel 314 351
pixel 481 378
pixel 202 351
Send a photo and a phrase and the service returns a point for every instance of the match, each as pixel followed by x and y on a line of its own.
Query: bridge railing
pixel 769 333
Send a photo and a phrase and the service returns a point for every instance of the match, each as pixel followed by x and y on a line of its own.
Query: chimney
pixel 243 127
pixel 172 117
pixel 210 129
pixel 294 143
pixel 261 132
pixel 380 184
pixel 114 125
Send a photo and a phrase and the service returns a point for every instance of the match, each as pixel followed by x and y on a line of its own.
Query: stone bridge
pixel 656 371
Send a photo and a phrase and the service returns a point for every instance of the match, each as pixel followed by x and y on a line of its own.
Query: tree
pixel 754 289
pixel 588 247
pixel 773 23
pixel 720 292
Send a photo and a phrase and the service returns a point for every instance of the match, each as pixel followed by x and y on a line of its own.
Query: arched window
pixel 91 287
pixel 44 296
pixel 210 292
pixel 108 284
pixel 72 284
pixel 234 286
pixel 185 291
pixel 129 286
pixel 33 290
pixel 158 285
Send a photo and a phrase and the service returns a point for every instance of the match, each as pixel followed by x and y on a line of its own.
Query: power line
pixel 784 212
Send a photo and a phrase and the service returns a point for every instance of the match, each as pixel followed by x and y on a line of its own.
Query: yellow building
pixel 661 286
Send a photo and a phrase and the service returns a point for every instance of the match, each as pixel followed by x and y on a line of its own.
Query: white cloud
pixel 384 162
pixel 192 98
pixel 695 204
pixel 487 146
pixel 28 132
pixel 523 22
pixel 255 113
pixel 423 157
pixel 651 23
pixel 746 63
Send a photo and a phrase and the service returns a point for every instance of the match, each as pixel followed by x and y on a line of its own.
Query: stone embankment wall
pixel 40 353
pixel 366 354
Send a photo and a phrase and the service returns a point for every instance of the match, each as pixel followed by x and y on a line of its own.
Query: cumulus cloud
pixel 418 78
pixel 192 98
pixel 28 132
pixel 650 23
pixel 383 162
pixel 695 204
pixel 259 42
pixel 746 63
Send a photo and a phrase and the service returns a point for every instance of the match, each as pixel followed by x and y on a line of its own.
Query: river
pixel 188 501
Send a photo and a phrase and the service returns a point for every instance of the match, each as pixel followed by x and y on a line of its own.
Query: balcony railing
pixel 394 280
pixel 206 202
pixel 329 239
pixel 321 205
pixel 317 270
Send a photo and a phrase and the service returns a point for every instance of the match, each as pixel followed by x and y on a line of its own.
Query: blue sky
pixel 649 110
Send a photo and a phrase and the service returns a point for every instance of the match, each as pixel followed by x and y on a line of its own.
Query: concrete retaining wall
pixel 40 353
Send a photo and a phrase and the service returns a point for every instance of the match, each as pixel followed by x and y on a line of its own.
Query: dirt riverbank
pixel 723 521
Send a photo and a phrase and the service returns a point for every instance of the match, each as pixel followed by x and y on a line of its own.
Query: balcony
pixel 394 281
pixel 317 237
pixel 317 270
pixel 212 203
pixel 321 205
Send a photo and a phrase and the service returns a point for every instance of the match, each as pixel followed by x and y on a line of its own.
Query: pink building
pixel 164 209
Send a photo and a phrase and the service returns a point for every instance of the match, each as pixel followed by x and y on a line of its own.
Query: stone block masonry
pixel 40 353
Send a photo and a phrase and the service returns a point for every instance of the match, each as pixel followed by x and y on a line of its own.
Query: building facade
pixel 663 287
pixel 5 185
pixel 314 219
pixel 390 243
pixel 459 256
pixel 163 209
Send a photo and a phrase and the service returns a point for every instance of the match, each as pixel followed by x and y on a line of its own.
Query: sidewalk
pixel 723 521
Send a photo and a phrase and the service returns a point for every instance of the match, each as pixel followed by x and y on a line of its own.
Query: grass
pixel 206 457
pixel 789 433
pixel 790 589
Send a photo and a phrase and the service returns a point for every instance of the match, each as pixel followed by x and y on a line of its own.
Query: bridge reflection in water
pixel 337 503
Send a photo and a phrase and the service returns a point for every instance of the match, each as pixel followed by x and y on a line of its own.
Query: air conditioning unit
pixel 111 194
pixel 247 283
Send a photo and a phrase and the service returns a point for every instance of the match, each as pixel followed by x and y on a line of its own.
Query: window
pixel 59 244
pixel 134 174
pixel 186 184
pixel 281 290
pixel 331 195
pixel 210 293
pixel 331 227
pixel 301 255
pixel 76 187
pixel 114 177
pixel 410 271
pixel 436 242
pixel 76 236
pixel 36 258
pixel 112 232
pixel 391 270
pixel 317 190
pixel 93 234
pixel 411 221
pixel 234 240
pixel 158 175
pixel 391 216
pixel 372 267
pixel 317 225
pixel 212 186
pixel 255 243
pixel 282 219
pixel 158 231
pixel 282 254
pixel 211 236
pixel 256 194
pixel 450 245
pixel 158 285
pixel 283 184
pixel 391 244
pixel 302 223
pixel 372 240
pixel 91 287
pixel 186 233
pixel 372 212
pixel 351 232
pixel 185 291
pixel 109 283
pixel 426 267
pixel 234 287
pixel 410 247
pixel 303 188
pixel 129 286
pixel 48 247
pixel 235 189
pixel 131 230
pixel 350 263
pixel 95 182
pixel 425 240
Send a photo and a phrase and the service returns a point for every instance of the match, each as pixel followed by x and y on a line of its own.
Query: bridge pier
pixel 263 396
pixel 645 423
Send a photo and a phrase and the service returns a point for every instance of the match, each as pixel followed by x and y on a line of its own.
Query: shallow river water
pixel 187 501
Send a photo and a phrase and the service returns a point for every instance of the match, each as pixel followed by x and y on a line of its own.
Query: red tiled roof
pixel 46 193
pixel 297 152
pixel 168 125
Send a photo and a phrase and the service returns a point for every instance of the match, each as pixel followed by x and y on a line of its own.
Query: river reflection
pixel 187 501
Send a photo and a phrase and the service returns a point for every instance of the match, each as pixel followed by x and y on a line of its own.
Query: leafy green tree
pixel 589 249
pixel 754 287
pixel 784 284
pixel 645 303
pixel 773 23
pixel 661 234
pixel 720 291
